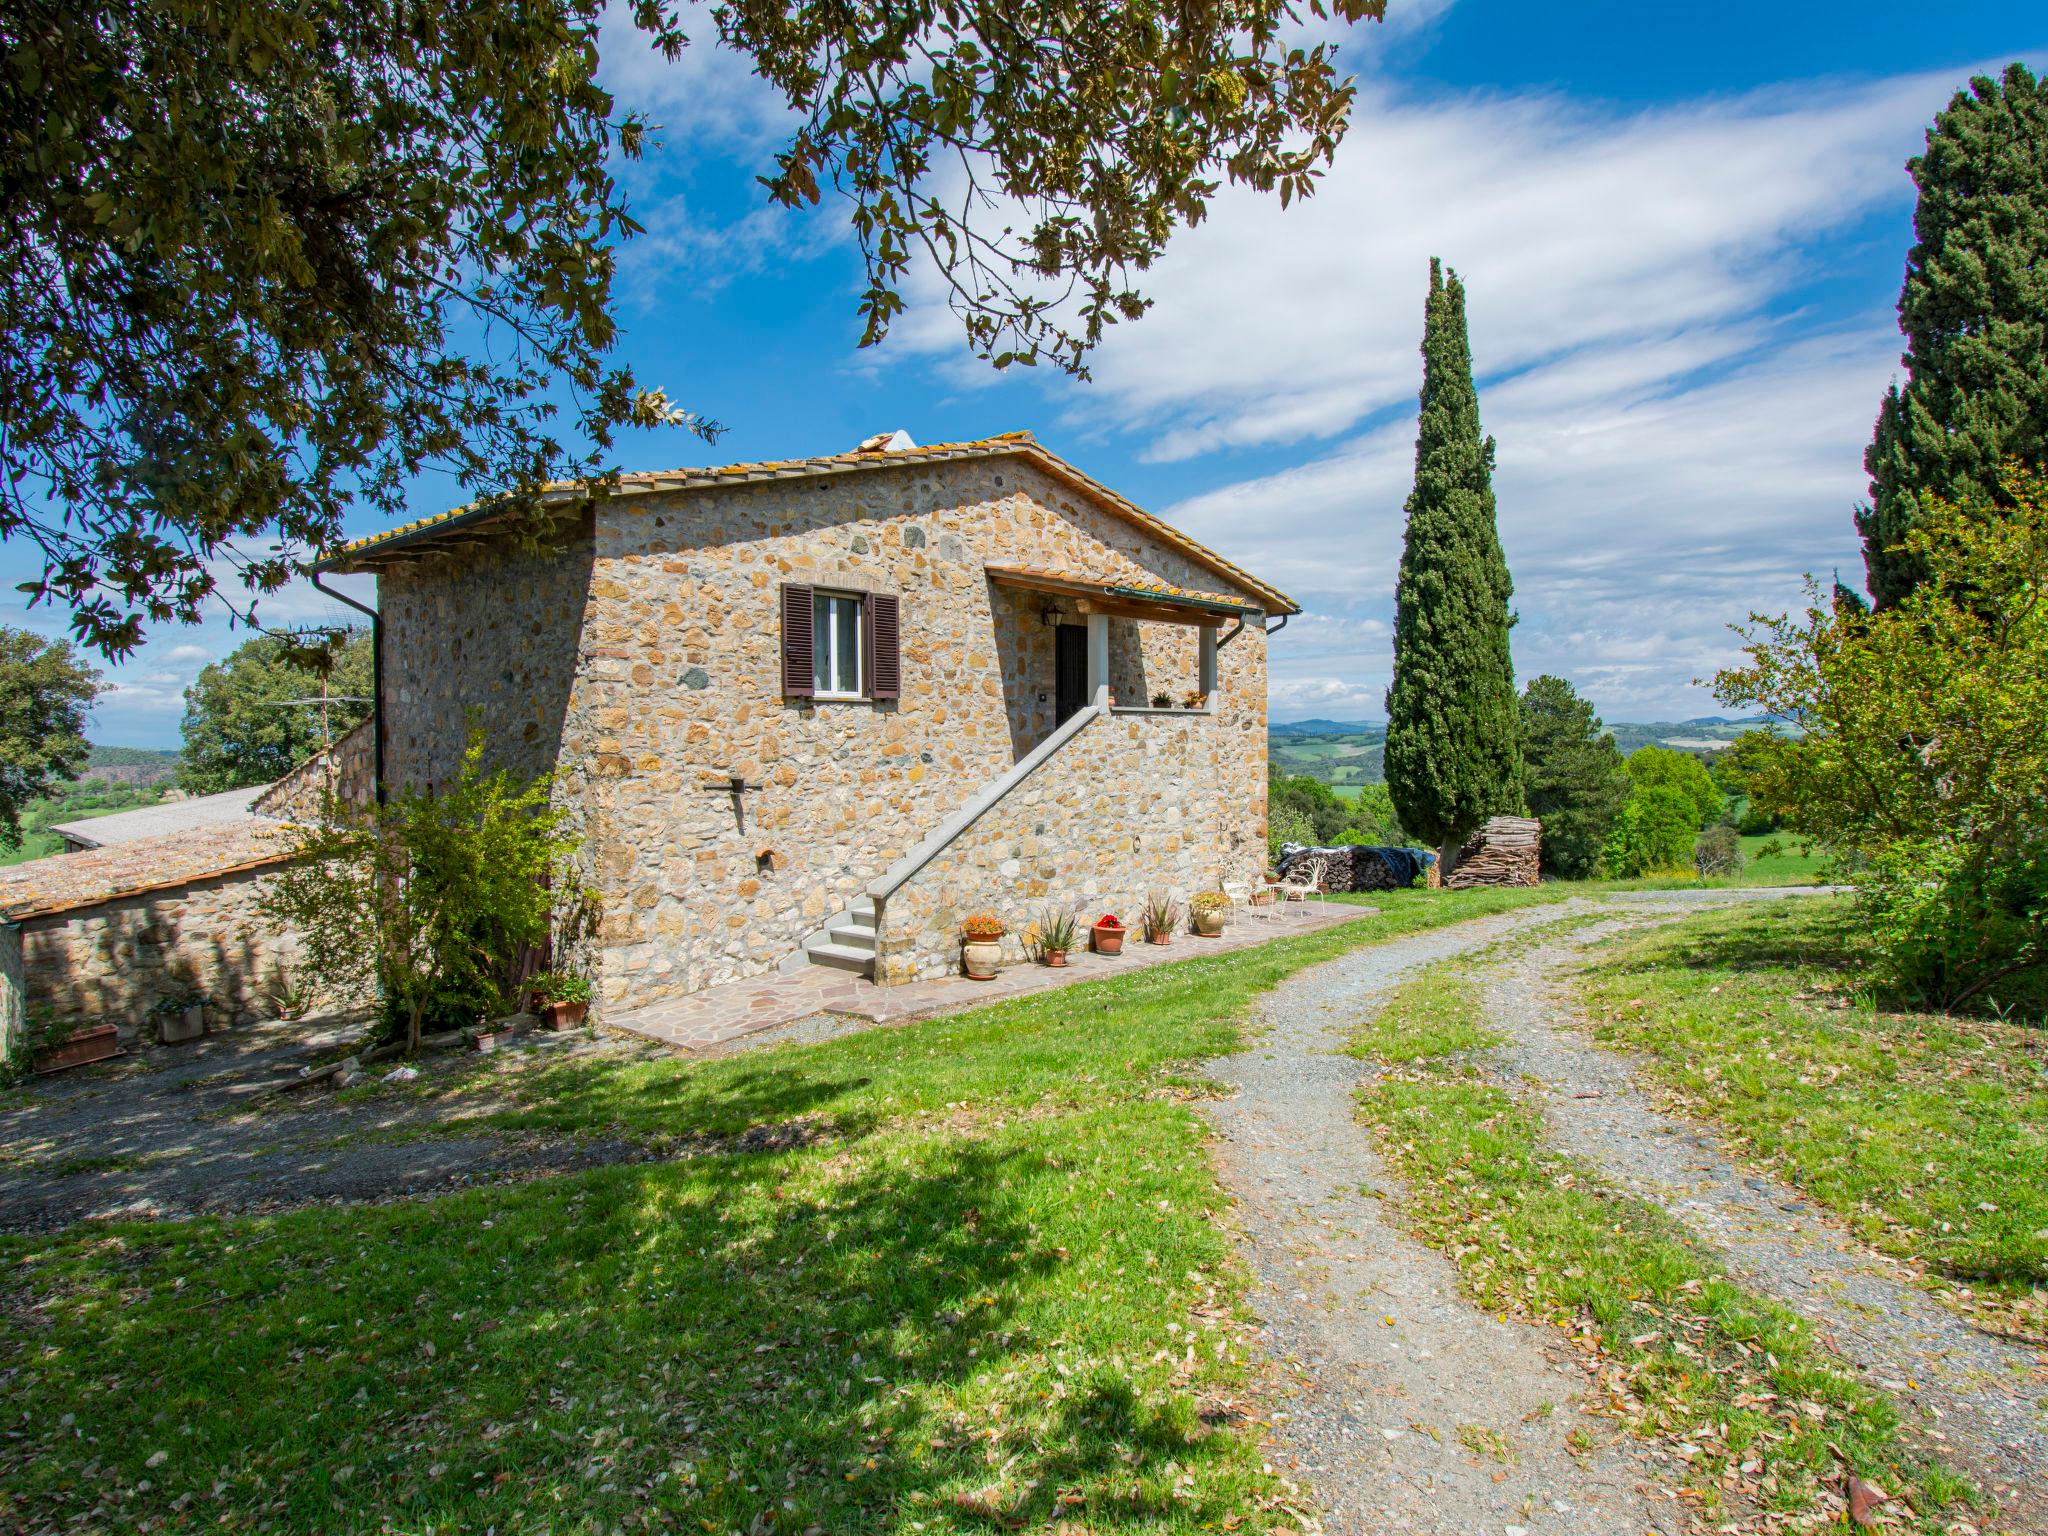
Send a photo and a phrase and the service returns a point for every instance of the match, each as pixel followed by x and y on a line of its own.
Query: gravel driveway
pixel 1983 1399
pixel 1407 1409
pixel 1410 1410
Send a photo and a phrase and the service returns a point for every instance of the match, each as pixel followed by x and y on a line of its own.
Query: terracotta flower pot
pixel 1158 938
pixel 561 1016
pixel 82 1047
pixel 1209 924
pixel 1056 957
pixel 980 959
pixel 1107 941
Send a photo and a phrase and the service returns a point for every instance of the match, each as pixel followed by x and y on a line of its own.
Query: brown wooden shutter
pixel 799 668
pixel 882 613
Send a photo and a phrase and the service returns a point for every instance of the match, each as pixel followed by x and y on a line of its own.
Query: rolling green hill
pixel 1348 753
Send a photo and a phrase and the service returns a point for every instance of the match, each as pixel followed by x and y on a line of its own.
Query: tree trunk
pixel 1447 859
pixel 413 1017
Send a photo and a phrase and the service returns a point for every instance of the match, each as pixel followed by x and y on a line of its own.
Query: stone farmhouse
pixel 817 711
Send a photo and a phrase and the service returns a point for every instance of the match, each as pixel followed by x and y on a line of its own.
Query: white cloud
pixel 707 97
pixel 1680 420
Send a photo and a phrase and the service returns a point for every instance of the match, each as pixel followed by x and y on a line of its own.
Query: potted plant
pixel 1056 932
pixel 564 998
pixel 55 1044
pixel 1107 935
pixel 1194 699
pixel 1162 701
pixel 179 1016
pixel 981 948
pixel 1209 909
pixel 1162 916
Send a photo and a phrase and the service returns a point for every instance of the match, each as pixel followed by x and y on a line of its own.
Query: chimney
pixel 886 442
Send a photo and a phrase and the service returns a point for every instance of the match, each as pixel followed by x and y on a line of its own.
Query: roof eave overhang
pixel 1101 595
pixel 456 528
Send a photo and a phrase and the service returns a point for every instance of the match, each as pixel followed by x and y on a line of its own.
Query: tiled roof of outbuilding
pixel 64 882
pixel 367 553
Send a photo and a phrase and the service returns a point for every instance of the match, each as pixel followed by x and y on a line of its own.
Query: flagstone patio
pixel 704 1021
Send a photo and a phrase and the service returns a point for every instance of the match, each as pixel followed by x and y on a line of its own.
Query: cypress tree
pixel 1454 725
pixel 1974 309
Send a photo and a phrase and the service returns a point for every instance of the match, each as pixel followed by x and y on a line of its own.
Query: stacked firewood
pixel 1506 851
pixel 1356 868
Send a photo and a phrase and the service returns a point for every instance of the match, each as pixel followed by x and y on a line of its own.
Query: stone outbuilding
pixel 101 935
pixel 818 710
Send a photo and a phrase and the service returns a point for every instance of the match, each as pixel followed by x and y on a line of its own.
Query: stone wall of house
pixel 675 685
pixel 109 962
pixel 491 635
pixel 1137 802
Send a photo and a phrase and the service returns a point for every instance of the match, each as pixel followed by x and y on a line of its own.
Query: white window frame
pixel 825 644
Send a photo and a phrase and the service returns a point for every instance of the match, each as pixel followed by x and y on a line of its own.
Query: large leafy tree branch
pixel 260 261
pixel 263 261
pixel 1040 153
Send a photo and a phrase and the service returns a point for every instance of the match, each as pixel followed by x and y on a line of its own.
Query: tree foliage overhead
pixel 262 261
pixel 45 691
pixel 1454 725
pixel 240 728
pixel 1974 308
pixel 1924 753
pixel 1041 152
pixel 1574 778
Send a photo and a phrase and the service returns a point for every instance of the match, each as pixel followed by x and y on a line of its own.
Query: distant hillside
pixel 1342 754
pixel 129 765
pixel 1324 727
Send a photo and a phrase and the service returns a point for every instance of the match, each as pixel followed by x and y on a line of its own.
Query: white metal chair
pixel 1305 880
pixel 1241 896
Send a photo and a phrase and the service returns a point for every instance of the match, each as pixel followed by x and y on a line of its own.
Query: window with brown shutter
pixel 799 677
pixel 883 615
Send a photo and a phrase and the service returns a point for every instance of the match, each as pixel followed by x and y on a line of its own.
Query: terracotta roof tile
pixel 64 882
pixel 1022 444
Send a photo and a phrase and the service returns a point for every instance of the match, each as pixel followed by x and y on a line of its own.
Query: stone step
pixel 853 938
pixel 860 915
pixel 841 957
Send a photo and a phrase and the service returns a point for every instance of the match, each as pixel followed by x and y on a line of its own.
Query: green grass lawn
pixel 1791 861
pixel 1929 1134
pixel 1754 1409
pixel 971 1279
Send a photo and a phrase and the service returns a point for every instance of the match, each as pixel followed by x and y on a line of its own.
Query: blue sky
pixel 1682 231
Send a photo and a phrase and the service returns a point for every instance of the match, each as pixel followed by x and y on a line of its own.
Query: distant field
pixel 1795 864
pixel 1342 754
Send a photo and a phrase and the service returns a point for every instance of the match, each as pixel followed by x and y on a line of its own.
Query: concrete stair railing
pixel 851 940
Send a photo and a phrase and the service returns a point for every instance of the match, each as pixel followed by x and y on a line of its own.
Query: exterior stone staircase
pixel 850 941
pixel 846 943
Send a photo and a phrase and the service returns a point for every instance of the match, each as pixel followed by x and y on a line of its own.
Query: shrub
pixel 1925 749
pixel 1660 767
pixel 1754 822
pixel 436 895
pixel 1718 853
pixel 1655 830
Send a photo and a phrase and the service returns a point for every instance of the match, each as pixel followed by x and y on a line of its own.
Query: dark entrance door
pixel 1070 670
